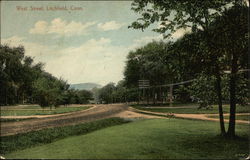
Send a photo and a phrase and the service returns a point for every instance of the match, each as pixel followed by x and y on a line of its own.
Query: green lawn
pixel 58 110
pixel 238 117
pixel 214 109
pixel 175 104
pixel 14 119
pixel 143 139
pixel 34 107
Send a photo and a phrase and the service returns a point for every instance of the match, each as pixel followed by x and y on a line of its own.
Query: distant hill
pixel 85 86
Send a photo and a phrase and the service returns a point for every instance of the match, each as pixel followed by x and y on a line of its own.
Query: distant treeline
pixel 22 81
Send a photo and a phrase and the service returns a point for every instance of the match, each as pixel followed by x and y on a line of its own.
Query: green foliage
pixel 27 140
pixel 132 94
pixel 149 62
pixel 162 63
pixel 106 93
pixel 12 74
pixel 203 90
pixel 22 81
pixel 172 15
pixel 242 89
pixel 182 93
pixel 118 93
pixel 84 96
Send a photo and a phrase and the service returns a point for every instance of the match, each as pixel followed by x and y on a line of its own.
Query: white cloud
pixel 38 51
pixel 13 41
pixel 61 27
pixel 180 33
pixel 96 60
pixel 93 61
pixel 41 27
pixel 111 25
pixel 144 40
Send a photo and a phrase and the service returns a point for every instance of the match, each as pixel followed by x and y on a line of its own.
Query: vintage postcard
pixel 137 79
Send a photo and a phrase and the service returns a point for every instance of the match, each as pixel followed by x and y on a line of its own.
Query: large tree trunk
pixel 218 89
pixel 231 127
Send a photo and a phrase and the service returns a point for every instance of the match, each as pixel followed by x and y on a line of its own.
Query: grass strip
pixel 214 109
pixel 14 119
pixel 238 117
pixel 34 138
pixel 155 114
pixel 26 112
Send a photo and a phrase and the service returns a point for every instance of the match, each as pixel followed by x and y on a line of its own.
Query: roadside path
pixel 196 116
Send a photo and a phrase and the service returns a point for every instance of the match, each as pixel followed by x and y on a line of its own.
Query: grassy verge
pixel 147 139
pixel 33 107
pixel 22 107
pixel 41 112
pixel 214 109
pixel 238 117
pixel 26 140
pixel 176 104
pixel 14 120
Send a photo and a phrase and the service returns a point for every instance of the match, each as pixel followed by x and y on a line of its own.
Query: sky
pixel 81 42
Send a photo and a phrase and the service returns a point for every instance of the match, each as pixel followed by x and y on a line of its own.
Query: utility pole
pixel 171 95
pixel 143 84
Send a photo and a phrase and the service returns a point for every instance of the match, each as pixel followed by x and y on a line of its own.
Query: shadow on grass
pixel 218 147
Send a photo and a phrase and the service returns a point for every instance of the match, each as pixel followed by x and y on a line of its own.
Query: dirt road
pixel 95 113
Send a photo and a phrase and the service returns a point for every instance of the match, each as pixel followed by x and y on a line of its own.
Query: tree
pixel 22 81
pixel 148 62
pixel 197 15
pixel 106 93
pixel 160 63
pixel 84 96
pixel 173 15
pixel 203 91
pixel 11 73
pixel 233 42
